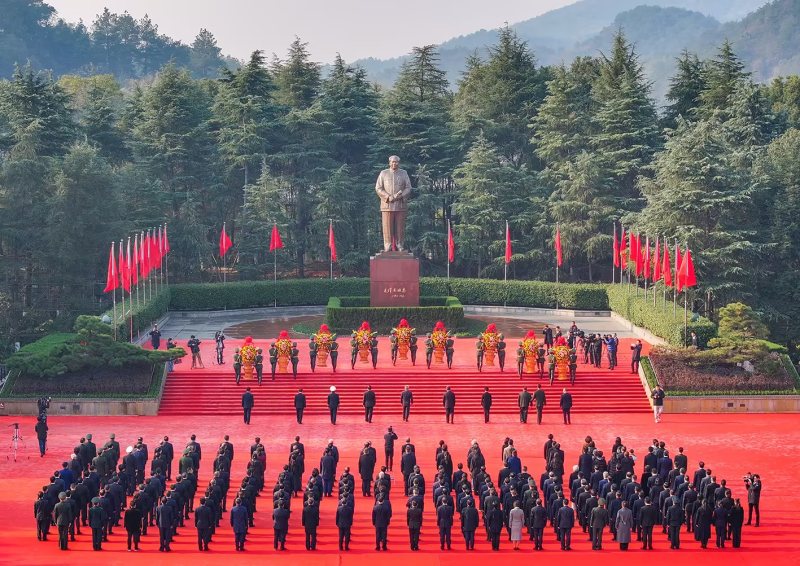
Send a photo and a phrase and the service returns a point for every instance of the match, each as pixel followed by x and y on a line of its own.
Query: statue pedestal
pixel 394 280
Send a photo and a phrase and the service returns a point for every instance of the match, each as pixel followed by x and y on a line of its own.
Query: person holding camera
pixel 194 347
pixel 155 337
pixel 753 484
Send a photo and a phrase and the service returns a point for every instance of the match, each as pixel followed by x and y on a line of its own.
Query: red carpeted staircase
pixel 213 390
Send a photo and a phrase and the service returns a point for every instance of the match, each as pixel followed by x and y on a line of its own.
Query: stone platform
pixel 394 280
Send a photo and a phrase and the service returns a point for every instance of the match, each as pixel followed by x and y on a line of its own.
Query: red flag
pixel 135 261
pixel 639 256
pixel 148 260
pixel 160 244
pixel 155 257
pixel 558 245
pixel 632 249
pixel 646 259
pixel 332 242
pixel 166 240
pixel 623 245
pixel 124 280
pixel 111 277
pixel 678 262
pixel 275 242
pixel 224 242
pixel 616 248
pixel 667 270
pixel 451 246
pixel 508 244
pixel 657 261
pixel 142 257
pixel 686 274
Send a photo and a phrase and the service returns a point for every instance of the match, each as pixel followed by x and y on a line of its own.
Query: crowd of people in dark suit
pixel 102 489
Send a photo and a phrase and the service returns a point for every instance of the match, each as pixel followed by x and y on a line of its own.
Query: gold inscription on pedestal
pixel 395 292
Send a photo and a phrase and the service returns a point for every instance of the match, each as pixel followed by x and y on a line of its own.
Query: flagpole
pixel 647 251
pixel 558 232
pixel 114 295
pixel 149 266
pixel 655 282
pixel 614 271
pixel 622 237
pixel 505 271
pixel 448 254
pixel 122 293
pixel 675 284
pixel 224 277
pixel 666 252
pixel 166 263
pixel 275 278
pixel 136 251
pixel 130 280
pixel 331 249
pixel 161 256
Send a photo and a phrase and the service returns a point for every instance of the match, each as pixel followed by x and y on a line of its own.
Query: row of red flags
pixel 655 267
pixel 275 241
pixel 137 261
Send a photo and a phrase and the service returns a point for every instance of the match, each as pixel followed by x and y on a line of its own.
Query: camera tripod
pixel 16 439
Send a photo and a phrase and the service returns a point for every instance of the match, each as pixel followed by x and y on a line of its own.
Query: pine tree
pixel 686 87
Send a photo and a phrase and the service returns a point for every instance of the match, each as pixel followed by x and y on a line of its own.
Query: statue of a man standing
pixel 394 188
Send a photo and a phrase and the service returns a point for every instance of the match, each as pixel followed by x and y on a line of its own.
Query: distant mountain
pixel 560 34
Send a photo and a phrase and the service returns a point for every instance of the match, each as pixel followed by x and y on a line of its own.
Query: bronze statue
pixel 394 188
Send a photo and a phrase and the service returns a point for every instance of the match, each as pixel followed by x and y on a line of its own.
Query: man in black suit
pixel 444 520
pixel 647 519
pixel 486 403
pixel 299 405
pixel 406 400
pixel 540 401
pixel 565 521
pixel 494 520
pixel 449 402
pixel 636 350
pixel 344 522
pixel 566 406
pixel 388 447
pixel 524 401
pixel 311 522
pixel 381 517
pixel 675 516
pixel 247 405
pixel 369 403
pixel 280 525
pixel 469 523
pixel 166 521
pixel 414 521
pixel 538 521
pixel 333 403
pixel 204 521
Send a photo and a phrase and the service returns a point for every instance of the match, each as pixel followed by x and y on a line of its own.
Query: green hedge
pixel 346 314
pixel 254 294
pixel 542 294
pixel 654 319
pixel 144 317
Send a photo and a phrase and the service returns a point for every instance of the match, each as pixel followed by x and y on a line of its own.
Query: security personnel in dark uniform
pixel 273 358
pixel 551 365
pixel 312 354
pixel 353 353
pixel 486 403
pixel 393 346
pixel 412 347
pixel 573 365
pixel 237 365
pixel 259 365
pixel 449 351
pixel 480 348
pixel 540 360
pixel 295 359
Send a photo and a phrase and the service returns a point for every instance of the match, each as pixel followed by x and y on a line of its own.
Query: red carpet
pixel 731 445
pixel 213 390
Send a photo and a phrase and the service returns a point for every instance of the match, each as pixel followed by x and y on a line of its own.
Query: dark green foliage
pixel 346 314
pixel 642 313
pixel 738 322
pixel 144 317
pixel 94 347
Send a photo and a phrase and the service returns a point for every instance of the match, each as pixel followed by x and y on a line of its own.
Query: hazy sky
pixel 354 28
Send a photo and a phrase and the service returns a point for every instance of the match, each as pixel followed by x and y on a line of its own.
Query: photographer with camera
pixel 219 338
pixel 43 403
pixel 753 484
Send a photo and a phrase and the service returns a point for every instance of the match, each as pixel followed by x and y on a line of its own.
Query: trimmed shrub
pixel 660 323
pixel 346 314
pixel 543 294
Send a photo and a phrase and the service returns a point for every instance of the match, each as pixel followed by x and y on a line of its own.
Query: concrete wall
pixel 738 404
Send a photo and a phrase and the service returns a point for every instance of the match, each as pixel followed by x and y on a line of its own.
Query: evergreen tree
pixel 686 86
pixel 700 197
pixel 205 61
pixel 722 77
pixel 784 93
pixel 500 97
pixel 297 77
